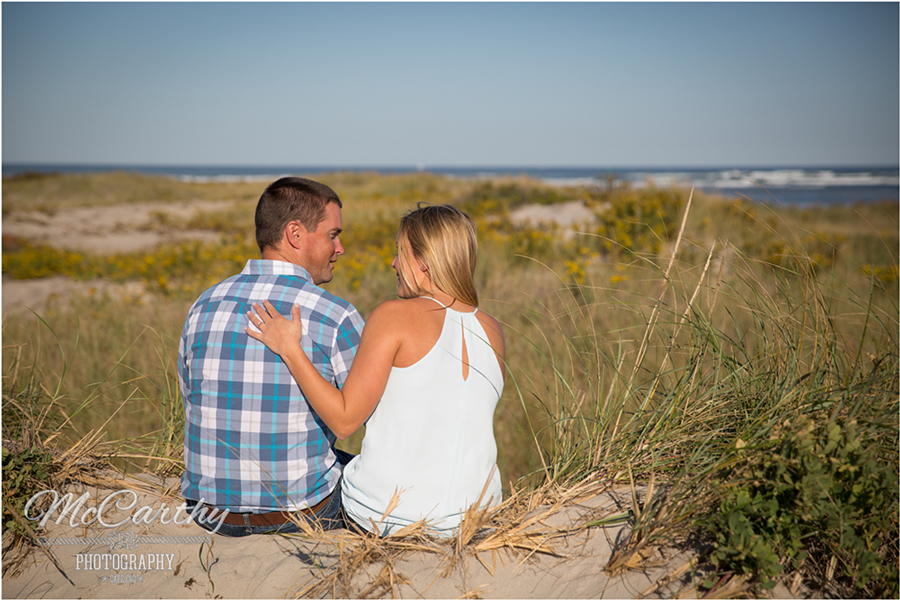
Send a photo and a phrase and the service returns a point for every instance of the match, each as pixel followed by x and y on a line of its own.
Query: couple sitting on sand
pixel 266 397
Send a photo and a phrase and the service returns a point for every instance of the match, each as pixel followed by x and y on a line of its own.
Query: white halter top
pixel 431 437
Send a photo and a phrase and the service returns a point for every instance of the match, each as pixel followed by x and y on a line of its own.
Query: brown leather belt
pixel 270 518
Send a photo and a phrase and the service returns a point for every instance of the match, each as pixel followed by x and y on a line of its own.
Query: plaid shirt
pixel 251 441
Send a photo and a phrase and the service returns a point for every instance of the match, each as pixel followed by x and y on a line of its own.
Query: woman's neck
pixel 447 300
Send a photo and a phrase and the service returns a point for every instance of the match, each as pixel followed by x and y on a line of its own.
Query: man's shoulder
pixel 226 287
pixel 330 298
pixel 322 301
pixel 283 290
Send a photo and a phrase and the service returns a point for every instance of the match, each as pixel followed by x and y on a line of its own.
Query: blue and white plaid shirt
pixel 252 443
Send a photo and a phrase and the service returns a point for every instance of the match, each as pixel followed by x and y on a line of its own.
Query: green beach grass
pixel 738 359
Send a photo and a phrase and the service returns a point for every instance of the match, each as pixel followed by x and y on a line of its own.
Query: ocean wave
pixel 797 184
pixel 738 178
pixel 227 178
pixel 803 178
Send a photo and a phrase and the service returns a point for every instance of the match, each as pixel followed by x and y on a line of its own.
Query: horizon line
pixel 426 167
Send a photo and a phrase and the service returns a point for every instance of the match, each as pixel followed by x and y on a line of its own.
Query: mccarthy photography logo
pixel 116 558
pixel 124 501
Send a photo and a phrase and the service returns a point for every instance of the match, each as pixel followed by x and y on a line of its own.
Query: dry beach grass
pixel 672 359
pixel 555 549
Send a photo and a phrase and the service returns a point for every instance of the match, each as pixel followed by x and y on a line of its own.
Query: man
pixel 253 448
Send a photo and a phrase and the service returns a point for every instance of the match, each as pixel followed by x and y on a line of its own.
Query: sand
pixel 109 229
pixel 190 563
pixel 566 215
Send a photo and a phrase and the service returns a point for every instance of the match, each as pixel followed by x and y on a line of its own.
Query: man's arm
pixel 181 368
pixel 347 337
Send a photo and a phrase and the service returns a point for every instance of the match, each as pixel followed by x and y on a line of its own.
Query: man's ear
pixel 294 233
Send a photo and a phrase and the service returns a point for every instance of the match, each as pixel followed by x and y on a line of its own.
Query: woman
pixel 426 379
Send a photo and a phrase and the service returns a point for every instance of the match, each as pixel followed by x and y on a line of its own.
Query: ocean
pixel 789 186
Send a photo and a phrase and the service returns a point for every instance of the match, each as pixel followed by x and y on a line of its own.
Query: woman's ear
pixel 423 277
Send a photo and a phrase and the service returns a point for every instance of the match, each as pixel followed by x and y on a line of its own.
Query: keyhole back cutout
pixel 465 355
pixel 465 347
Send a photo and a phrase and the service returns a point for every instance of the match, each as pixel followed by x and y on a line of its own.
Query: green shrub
pixel 641 221
pixel 187 267
pixel 815 489
pixel 25 472
pixel 492 198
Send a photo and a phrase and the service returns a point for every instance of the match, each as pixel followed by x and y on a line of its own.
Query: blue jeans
pixel 328 517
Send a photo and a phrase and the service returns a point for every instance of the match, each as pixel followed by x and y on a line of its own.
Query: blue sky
pixel 451 84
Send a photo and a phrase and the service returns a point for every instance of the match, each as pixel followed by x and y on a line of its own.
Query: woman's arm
pixel 346 409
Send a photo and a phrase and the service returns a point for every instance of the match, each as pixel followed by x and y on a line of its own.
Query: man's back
pixel 252 443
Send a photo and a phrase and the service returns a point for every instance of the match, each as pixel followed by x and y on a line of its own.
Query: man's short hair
pixel 291 199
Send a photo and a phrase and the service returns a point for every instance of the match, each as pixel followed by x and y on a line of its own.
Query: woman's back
pixel 431 436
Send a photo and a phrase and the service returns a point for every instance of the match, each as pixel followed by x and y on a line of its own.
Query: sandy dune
pixel 183 561
pixel 108 229
pixel 98 230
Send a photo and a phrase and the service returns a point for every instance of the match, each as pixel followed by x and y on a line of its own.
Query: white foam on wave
pixel 807 178
pixel 227 178
pixel 720 180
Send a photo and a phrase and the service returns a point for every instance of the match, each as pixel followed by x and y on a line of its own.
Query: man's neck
pixel 275 254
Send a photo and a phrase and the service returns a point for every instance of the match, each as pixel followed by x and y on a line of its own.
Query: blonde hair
pixel 443 239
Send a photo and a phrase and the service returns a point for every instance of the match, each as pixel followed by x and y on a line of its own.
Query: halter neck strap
pixel 435 299
pixel 447 307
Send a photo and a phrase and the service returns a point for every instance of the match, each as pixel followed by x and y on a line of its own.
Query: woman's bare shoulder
pixel 494 332
pixel 388 323
pixel 390 310
pixel 489 321
pixel 403 309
